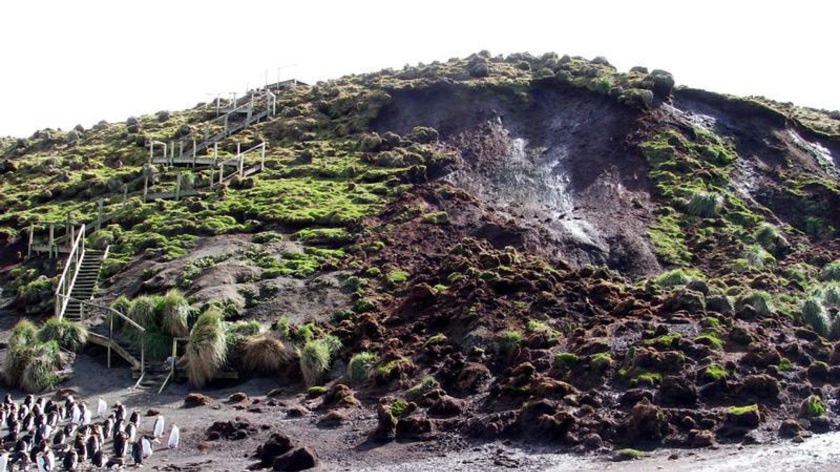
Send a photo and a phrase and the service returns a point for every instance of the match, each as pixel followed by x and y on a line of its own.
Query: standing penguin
pixel 135 418
pixel 157 430
pixel 146 444
pixel 174 437
pixel 59 438
pixel 137 453
pixel 108 427
pixel 99 459
pixel 120 444
pixel 131 431
pixel 119 411
pixel 92 445
pixel 4 460
pixel 71 459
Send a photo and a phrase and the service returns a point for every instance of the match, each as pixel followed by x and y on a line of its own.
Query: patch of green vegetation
pixel 436 218
pixel 510 341
pixel 831 271
pixel 397 277
pixel 316 391
pixel 628 455
pixel 761 301
pixel 398 407
pixel 360 365
pixel 646 379
pixel 711 339
pixel 426 385
pixel 439 338
pixel 601 361
pixel 663 342
pixel 785 365
pixel 813 406
pixel 742 410
pixel 815 316
pixel 716 372
pixel 675 278
pixel 565 360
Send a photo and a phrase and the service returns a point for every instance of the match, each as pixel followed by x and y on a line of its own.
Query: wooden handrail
pixel 65 285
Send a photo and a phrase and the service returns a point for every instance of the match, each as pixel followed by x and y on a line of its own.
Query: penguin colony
pixel 55 436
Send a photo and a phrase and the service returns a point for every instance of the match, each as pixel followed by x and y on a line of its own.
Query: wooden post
pixel 194 152
pixel 99 216
pixel 178 187
pixel 145 188
pixel 215 152
pixel 221 174
pixel 125 194
pixel 72 232
pixel 262 158
pixel 29 246
pixel 241 158
pixel 51 240
pixel 110 335
pixel 181 148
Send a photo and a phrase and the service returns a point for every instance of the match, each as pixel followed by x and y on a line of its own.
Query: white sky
pixel 64 62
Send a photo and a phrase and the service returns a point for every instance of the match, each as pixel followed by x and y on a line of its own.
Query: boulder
pixel 677 390
pixel 277 445
pixel 648 421
pixel 413 427
pixel 300 458
pixel 790 428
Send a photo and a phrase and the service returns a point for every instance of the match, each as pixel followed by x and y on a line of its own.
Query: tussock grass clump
pixel 206 349
pixel 673 278
pixel 509 341
pixel 142 311
pixel 758 257
pixel 175 311
pixel 360 365
pixel 815 316
pixel 24 334
pixel 771 239
pixel 760 301
pixel 314 361
pixel 704 204
pixel 265 355
pixel 16 361
pixel 69 336
pixel 40 372
pixel 831 271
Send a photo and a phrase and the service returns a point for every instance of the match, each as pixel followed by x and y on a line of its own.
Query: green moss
pixel 601 361
pixel 716 372
pixel 711 339
pixel 360 365
pixel 742 410
pixel 813 406
pixel 398 407
pixel 565 360
pixel 316 391
pixel 397 277
pixel 785 365
pixel 509 341
pixel 437 218
pixel 646 379
pixel 426 385
pixel 628 455
pixel 664 342
pixel 439 338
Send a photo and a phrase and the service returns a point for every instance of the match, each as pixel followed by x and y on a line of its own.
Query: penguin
pixel 146 445
pixel 84 414
pixel 92 445
pixel 69 429
pixel 131 431
pixel 71 459
pixel 108 427
pixel 157 430
pixel 137 453
pixel 68 402
pixel 59 438
pixel 120 444
pixel 7 399
pixel 135 418
pixel 119 411
pixel 119 426
pixel 174 437
pixel 29 400
pixel 4 460
pixel 99 459
pixel 52 418
pixel 75 413
pixel 79 446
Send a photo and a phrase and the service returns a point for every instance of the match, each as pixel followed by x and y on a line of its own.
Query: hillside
pixel 492 247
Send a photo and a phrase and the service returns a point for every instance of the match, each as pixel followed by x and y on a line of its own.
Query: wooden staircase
pixel 86 283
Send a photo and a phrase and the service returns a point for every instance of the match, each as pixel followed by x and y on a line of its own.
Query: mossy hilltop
pixel 502 246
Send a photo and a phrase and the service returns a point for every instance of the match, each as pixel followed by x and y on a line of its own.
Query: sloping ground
pixel 538 248
pixel 554 160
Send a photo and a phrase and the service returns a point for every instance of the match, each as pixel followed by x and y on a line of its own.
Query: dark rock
pixel 761 356
pixel 760 386
pixel 386 428
pixel 701 438
pixel 447 406
pixel 684 299
pixel 790 428
pixel 746 417
pixel 473 378
pixel 237 397
pixel 648 422
pixel 333 419
pixel 413 427
pixel 196 399
pixel 662 83
pixel 339 396
pixel 676 390
pixel 819 424
pixel 297 412
pixel 818 371
pixel 277 445
pixel 300 458
pixel 593 441
pixel 152 412
pixel 633 396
